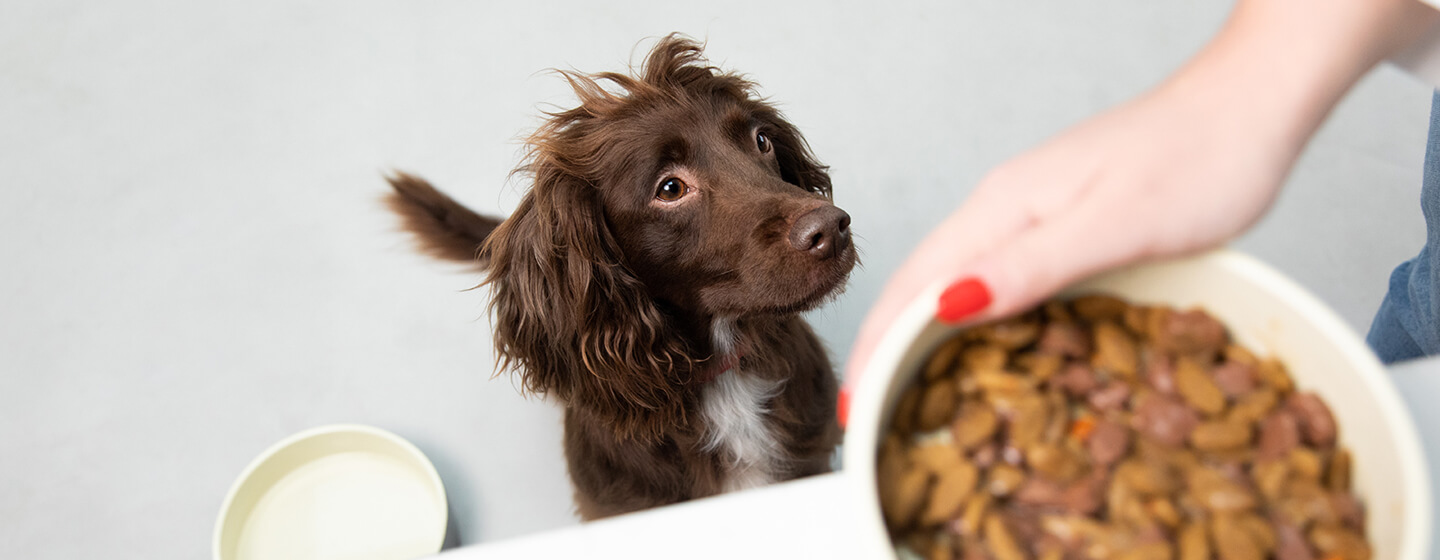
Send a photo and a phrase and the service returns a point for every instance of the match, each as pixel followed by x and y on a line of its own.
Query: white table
pixel 812 518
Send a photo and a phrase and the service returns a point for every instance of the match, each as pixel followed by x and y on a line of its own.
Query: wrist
pixel 1286 63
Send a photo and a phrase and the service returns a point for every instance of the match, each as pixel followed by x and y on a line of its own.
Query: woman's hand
pixel 1185 167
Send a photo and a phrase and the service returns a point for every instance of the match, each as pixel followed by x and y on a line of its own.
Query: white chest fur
pixel 735 406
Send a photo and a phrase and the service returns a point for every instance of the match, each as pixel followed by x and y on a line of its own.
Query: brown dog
pixel 651 279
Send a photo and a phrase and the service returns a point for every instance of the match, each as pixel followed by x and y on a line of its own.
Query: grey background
pixel 195 264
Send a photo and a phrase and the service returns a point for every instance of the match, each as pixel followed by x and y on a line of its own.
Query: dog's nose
pixel 823 232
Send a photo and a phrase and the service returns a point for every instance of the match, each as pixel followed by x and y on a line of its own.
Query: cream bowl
pixel 1264 311
pixel 334 492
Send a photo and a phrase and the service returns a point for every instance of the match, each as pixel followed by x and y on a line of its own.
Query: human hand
pixel 1183 168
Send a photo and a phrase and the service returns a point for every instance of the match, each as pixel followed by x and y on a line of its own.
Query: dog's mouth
pixel 822 283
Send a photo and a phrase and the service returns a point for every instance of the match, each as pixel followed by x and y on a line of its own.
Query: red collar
pixel 729 362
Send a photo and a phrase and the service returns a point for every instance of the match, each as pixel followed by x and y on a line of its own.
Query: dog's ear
pixel 798 165
pixel 571 319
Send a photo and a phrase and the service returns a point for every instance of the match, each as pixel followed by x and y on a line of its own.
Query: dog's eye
pixel 671 190
pixel 763 142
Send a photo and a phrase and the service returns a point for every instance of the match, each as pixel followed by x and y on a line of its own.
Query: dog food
pixel 1096 429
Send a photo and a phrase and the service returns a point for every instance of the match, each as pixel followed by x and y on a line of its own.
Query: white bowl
pixel 333 492
pixel 1264 311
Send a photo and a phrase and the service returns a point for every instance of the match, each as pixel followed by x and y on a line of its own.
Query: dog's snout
pixel 823 232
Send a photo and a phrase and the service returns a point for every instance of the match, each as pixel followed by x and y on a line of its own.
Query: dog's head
pixel 662 202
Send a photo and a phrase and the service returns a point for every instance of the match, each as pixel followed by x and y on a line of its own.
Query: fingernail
pixel 962 299
pixel 842 409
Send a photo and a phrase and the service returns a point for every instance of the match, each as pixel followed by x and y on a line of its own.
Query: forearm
pixel 1295 59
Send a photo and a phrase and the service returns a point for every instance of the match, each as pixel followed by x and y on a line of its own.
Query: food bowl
pixel 334 492
pixel 1265 312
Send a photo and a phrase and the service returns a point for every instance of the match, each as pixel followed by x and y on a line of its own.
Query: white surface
pixel 1267 313
pixel 806 518
pixel 341 492
pixel 194 263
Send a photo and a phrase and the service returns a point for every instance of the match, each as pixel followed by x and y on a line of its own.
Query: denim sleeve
pixel 1405 326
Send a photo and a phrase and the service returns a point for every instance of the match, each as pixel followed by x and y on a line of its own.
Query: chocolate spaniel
pixel 652 278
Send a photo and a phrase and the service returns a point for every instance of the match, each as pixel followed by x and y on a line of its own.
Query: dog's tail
pixel 444 228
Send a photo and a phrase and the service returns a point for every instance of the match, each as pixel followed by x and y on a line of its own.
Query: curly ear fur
pixel 571 319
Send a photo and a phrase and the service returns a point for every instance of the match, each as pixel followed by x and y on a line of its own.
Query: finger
pixel 996 212
pixel 1045 259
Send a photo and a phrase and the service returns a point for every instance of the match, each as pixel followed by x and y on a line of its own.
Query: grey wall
pixel 195 265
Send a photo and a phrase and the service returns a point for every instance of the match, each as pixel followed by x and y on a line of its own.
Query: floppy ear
pixel 797 165
pixel 571 319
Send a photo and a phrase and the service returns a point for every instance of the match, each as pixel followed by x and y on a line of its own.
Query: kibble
pixel 1098 429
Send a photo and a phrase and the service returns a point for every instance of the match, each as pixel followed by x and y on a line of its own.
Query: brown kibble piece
pixel 1253 406
pixel 1188 333
pixel 936 457
pixel 1011 334
pixel 902 498
pixel 1099 307
pixel 1233 542
pixel 1086 495
pixel 1163 510
pixel 1337 477
pixel 984 358
pixel 937 407
pixel 1316 422
pixel 1055 462
pixel 1220 435
pixel 942 361
pixel 1302 502
pixel 1065 339
pixel 1194 544
pixel 1156 550
pixel 941 549
pixel 1217 493
pixel 1260 530
pixel 1115 351
pixel 1235 379
pixel 973 515
pixel 975 425
pixel 1279 434
pixel 1041 366
pixel 1290 543
pixel 1198 388
pixel 1147 478
pixel 1273 373
pixel 1110 397
pixel 1334 540
pixel 1076 380
pixel 905 411
pixel 951 488
pixel 1004 480
pixel 1160 374
pixel 1027 423
pixel 1040 492
pixel 1001 544
pixel 1000 381
pixel 1137 319
pixel 1306 464
pixel 1270 478
pixel 1238 354
pixel 1165 420
pixel 1349 510
pixel 1108 442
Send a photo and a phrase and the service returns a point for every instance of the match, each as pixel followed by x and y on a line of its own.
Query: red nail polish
pixel 842 410
pixel 963 299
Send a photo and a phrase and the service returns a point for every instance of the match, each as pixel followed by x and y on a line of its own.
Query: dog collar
pixel 729 362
